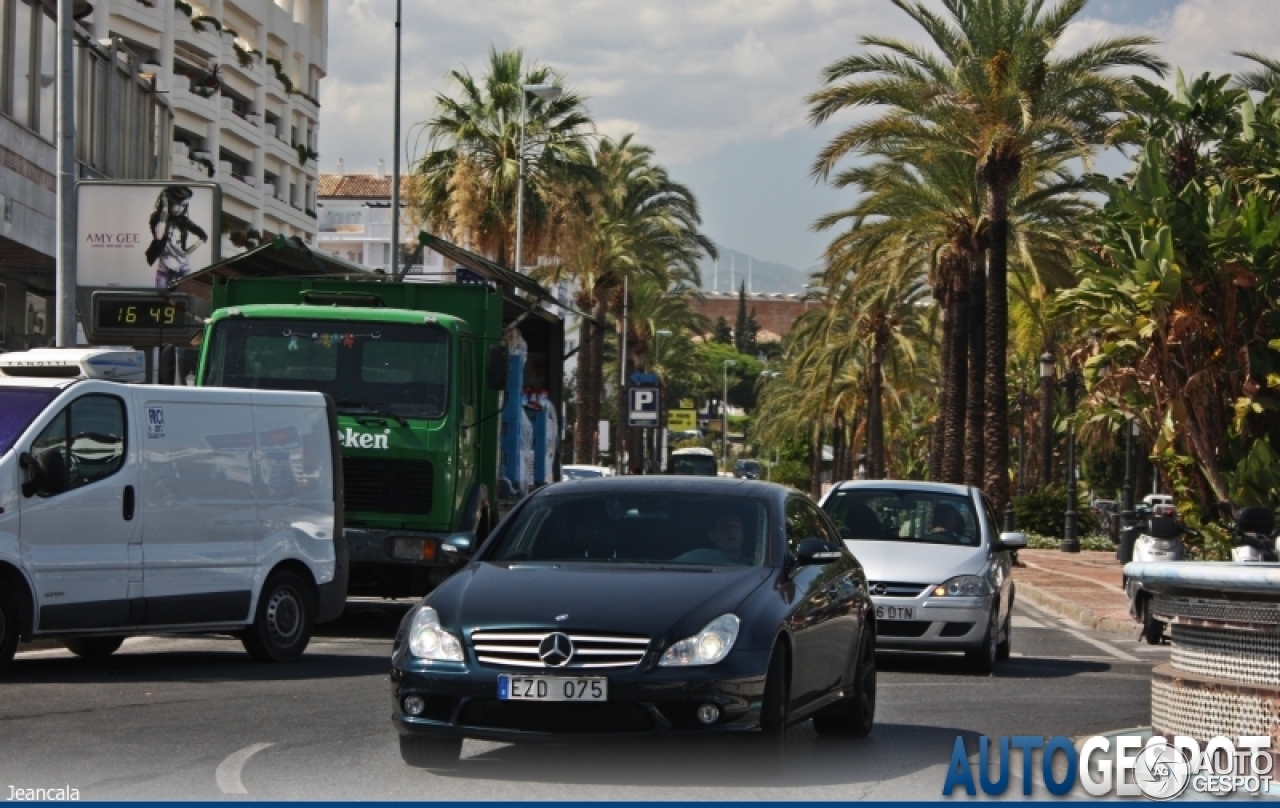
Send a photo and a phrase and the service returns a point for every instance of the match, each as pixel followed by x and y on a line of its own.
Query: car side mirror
pixel 495 377
pixel 459 546
pixel 1013 541
pixel 814 550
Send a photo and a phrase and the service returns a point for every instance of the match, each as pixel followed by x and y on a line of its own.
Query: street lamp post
pixel 724 413
pixel 660 433
pixel 1047 362
pixel 395 162
pixel 1070 542
pixel 1126 499
pixel 547 92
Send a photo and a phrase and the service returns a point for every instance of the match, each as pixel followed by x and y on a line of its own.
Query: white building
pixel 355 223
pixel 242 78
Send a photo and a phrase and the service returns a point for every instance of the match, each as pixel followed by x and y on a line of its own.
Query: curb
pixel 1081 614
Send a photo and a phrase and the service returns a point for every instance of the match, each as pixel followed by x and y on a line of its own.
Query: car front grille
pixel 896 589
pixel 519 649
pixel 387 486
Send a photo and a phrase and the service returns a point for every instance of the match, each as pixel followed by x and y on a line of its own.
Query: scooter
pixel 1160 539
pixel 1253 537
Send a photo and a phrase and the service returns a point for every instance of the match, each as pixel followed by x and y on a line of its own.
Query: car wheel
pixel 1152 629
pixel 983 658
pixel 8 627
pixel 854 716
pixel 1005 646
pixel 430 753
pixel 94 647
pixel 286 613
pixel 774 708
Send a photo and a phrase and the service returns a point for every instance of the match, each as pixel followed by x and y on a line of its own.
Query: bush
pixel 792 473
pixel 1035 541
pixel 1044 511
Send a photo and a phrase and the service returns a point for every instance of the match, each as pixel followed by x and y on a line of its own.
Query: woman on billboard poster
pixel 171 230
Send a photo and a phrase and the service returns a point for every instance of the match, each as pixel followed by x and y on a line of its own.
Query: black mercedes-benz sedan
pixel 633 606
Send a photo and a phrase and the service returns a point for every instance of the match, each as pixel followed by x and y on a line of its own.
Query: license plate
pixel 552 688
pixel 895 613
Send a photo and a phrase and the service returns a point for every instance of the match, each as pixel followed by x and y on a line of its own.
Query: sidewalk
pixel 1085 587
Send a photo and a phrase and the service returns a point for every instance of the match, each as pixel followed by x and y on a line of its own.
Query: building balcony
pixel 207 43
pixel 148 14
pixel 242 130
pixel 185 168
pixel 307 108
pixel 235 186
pixel 184 100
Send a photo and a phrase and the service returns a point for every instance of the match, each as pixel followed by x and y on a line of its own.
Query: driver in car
pixel 727 536
pixel 947 522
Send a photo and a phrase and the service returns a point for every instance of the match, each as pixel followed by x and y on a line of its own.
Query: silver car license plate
pixel 553 688
pixel 895 613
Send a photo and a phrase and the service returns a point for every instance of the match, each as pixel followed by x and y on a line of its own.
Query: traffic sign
pixel 682 420
pixel 643 406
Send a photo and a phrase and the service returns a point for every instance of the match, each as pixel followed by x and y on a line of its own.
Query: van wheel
pixel 286 614
pixel 94 647
pixel 8 627
pixel 430 753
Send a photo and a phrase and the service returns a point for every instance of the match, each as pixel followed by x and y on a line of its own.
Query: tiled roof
pixel 358 186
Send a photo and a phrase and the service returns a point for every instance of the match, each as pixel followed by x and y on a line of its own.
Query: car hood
pixel 916 562
pixel 626 598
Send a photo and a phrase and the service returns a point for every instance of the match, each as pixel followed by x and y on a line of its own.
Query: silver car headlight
pixel 707 647
pixel 962 586
pixel 428 640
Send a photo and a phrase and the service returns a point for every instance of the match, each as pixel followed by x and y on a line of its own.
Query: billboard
pixel 145 235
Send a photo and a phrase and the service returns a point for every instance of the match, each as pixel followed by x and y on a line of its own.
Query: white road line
pixel 228 773
pixel 1026 622
pixel 1110 649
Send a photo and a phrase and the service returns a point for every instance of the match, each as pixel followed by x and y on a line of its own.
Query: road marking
pixel 228 773
pixel 1026 622
pixel 1110 649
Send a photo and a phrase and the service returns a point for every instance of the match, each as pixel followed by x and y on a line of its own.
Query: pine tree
pixel 740 331
pixel 723 334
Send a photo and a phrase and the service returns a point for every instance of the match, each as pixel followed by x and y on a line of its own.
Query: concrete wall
pixel 774 312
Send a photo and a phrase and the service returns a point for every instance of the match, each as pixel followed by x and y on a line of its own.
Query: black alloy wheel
pixel 1005 647
pixel 286 614
pixel 983 658
pixel 775 709
pixel 8 627
pixel 93 647
pixel 1152 629
pixel 430 753
pixel 855 715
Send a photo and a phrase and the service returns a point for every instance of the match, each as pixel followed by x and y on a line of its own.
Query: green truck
pixel 420 375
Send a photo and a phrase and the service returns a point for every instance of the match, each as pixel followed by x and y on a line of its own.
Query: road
pixel 169 718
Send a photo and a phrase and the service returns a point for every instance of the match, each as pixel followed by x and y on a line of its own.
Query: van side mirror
pixel 48 470
pixel 495 377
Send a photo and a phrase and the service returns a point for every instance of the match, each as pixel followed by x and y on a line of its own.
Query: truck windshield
pixel 18 408
pixel 391 369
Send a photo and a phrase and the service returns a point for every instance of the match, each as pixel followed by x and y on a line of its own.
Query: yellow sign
pixel 687 404
pixel 682 420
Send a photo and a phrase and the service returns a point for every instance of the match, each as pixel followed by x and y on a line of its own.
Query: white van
pixel 135 509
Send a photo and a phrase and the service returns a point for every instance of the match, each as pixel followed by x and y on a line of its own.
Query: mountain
pixel 765 276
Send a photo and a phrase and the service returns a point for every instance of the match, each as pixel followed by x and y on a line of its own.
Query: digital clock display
pixel 121 313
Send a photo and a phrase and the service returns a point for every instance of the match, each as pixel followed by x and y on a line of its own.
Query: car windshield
pixel 749 465
pixel 922 517
pixel 646 527
pixel 400 370
pixel 18 408
pixel 694 465
pixel 580 474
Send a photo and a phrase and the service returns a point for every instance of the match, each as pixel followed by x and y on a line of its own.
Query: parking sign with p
pixel 644 406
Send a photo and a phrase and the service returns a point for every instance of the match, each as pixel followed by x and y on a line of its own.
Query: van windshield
pixel 379 368
pixel 18 408
pixel 693 465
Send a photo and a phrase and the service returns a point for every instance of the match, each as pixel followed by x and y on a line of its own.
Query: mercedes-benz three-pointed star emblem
pixel 555 650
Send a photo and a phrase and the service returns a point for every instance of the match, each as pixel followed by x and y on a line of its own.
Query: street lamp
pixel 1047 365
pixel 1126 499
pixel 660 433
pixel 547 92
pixel 1070 542
pixel 724 412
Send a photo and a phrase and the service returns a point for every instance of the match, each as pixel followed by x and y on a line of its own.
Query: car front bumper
pixel 933 624
pixel 462 701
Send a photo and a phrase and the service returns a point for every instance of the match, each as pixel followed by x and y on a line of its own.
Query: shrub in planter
pixel 1044 511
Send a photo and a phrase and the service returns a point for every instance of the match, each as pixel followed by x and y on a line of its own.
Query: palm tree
pixel 991 88
pixel 466 182
pixel 640 223
pixel 1263 80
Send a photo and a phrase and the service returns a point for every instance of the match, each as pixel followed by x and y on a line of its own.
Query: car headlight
pixel 962 586
pixel 707 647
pixel 427 640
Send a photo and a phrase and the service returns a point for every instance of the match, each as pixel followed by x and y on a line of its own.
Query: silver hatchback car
pixel 937 568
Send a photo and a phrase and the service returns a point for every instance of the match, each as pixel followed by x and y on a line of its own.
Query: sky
pixel 717 87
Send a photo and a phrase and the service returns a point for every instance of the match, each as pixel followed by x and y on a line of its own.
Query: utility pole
pixel 395 164
pixel 65 250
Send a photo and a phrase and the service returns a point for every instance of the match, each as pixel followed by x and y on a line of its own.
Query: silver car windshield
pixel 922 517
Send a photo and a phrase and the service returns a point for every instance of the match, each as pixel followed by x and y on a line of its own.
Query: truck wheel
pixel 94 647
pixel 8 627
pixel 429 753
pixel 286 613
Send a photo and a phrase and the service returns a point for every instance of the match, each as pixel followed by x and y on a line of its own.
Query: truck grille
pixel 387 486
pixel 519 649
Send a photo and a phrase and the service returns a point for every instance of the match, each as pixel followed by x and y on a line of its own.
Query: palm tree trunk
pixel 815 460
pixel 584 430
pixel 937 436
pixel 957 378
pixel 875 406
pixel 837 442
pixel 596 373
pixel 996 432
pixel 975 385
